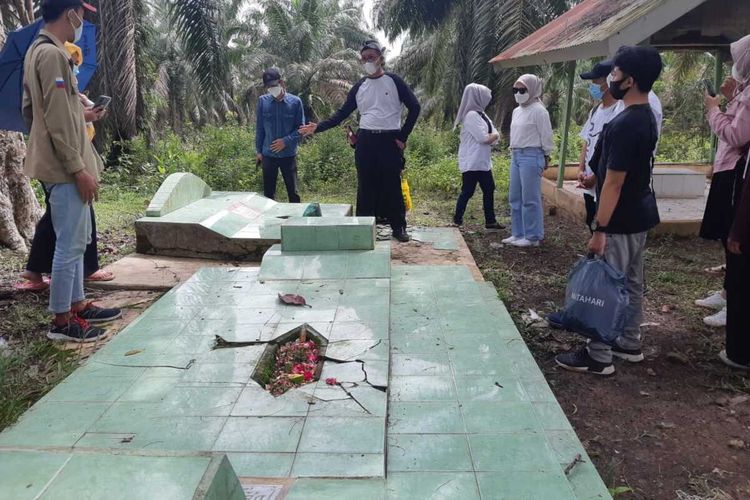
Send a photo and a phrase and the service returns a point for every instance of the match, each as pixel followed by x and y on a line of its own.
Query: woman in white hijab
pixel 733 130
pixel 478 134
pixel 531 143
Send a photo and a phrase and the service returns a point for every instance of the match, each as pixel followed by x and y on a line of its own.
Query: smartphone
pixel 102 102
pixel 709 87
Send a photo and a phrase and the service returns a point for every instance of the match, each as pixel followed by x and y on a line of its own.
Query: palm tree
pixel 451 42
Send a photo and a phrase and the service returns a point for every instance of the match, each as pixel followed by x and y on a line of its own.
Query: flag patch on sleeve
pixel 59 83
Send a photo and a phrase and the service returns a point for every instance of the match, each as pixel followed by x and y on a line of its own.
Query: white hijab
pixel 534 85
pixel 741 70
pixel 476 98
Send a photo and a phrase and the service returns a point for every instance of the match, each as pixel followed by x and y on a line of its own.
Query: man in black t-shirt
pixel 626 206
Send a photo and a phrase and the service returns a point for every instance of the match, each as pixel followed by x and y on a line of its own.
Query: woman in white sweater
pixel 478 134
pixel 531 143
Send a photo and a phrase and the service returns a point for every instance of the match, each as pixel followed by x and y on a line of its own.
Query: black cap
pixel 68 4
pixel 271 77
pixel 371 44
pixel 600 70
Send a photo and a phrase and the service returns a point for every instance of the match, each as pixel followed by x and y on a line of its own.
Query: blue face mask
pixel 76 70
pixel 596 91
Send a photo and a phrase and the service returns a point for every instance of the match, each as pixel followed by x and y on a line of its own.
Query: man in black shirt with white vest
pixel 380 140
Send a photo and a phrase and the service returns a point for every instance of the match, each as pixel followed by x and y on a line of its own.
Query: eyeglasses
pixel 519 91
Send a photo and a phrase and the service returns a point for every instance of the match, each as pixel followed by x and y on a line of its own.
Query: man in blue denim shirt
pixel 279 116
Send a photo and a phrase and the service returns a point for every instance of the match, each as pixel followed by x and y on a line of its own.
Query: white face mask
pixel 79 29
pixel 522 98
pixel 275 91
pixel 371 68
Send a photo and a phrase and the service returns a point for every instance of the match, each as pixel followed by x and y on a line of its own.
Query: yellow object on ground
pixel 407 194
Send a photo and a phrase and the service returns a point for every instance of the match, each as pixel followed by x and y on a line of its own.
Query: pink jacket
pixel 733 130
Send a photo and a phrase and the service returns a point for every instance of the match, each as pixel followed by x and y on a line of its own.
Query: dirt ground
pixel 674 426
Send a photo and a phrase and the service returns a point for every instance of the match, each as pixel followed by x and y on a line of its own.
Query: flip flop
pixel 32 286
pixel 101 275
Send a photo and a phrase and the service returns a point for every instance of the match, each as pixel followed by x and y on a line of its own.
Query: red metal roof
pixel 585 30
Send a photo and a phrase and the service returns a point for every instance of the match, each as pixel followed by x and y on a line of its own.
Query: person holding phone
pixel 61 156
pixel 728 207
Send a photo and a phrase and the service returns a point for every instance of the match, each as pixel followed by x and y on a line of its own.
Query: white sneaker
pixel 723 357
pixel 510 240
pixel 718 320
pixel 523 242
pixel 713 301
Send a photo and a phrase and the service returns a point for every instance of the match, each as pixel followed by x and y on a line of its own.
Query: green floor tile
pixel 565 444
pixel 493 388
pixel 220 373
pixel 150 389
pixel 428 452
pixel 326 489
pixel 438 388
pixel 552 417
pixel 255 401
pixel 487 417
pixel 332 401
pixel 486 364
pixel 260 434
pixel 343 435
pixel 524 485
pixel 262 464
pixel 82 387
pixel 338 465
pixel 364 313
pixel 523 451
pixel 432 485
pixel 586 483
pixel 425 417
pixel 419 364
pixel 358 330
pixel 200 401
pixel 24 475
pixel 174 478
pixel 421 343
pixel 53 424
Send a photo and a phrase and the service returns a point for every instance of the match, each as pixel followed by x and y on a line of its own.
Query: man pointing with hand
pixel 380 140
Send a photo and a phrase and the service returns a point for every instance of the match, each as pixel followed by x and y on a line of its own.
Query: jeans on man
pixel 525 196
pixel 625 252
pixel 486 183
pixel 288 167
pixel 71 220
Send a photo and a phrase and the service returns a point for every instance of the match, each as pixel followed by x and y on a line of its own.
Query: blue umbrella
pixel 11 70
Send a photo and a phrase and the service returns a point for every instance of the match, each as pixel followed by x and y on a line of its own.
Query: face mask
pixel 371 68
pixel 76 70
pixel 736 74
pixel 275 91
pixel 521 98
pixel 595 91
pixel 614 88
pixel 79 29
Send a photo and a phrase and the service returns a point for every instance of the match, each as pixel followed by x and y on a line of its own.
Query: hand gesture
pixel 711 102
pixel 94 114
pixel 87 186
pixel 728 88
pixel 586 181
pixel 309 129
pixel 278 145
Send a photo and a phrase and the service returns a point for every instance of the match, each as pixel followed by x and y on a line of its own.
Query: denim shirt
pixel 278 120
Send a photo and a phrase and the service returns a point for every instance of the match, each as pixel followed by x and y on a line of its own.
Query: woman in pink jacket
pixel 725 199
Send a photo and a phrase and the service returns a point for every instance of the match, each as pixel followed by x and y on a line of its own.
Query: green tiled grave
pixel 441 238
pixel 433 375
pixel 308 234
pixel 186 219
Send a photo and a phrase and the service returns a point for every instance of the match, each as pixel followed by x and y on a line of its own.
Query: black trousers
pixel 288 167
pixel 43 246
pixel 737 284
pixel 590 202
pixel 379 161
pixel 468 186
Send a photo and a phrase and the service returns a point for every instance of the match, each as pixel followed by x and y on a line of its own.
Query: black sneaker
pixel 94 314
pixel 494 225
pixel 581 361
pixel 457 221
pixel 77 330
pixel 632 355
pixel 401 235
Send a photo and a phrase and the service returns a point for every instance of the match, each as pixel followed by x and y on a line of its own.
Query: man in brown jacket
pixel 63 159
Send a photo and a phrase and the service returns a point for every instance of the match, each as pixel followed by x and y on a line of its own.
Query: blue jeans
pixel 525 196
pixel 71 220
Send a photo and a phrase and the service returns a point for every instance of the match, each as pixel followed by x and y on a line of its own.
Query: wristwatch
pixel 598 228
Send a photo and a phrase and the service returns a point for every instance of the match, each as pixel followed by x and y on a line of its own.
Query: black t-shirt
pixel 627 145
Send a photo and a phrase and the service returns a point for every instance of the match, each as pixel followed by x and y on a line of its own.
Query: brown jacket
pixel 58 142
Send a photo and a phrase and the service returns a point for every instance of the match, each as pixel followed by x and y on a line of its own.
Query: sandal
pixel 32 286
pixel 101 275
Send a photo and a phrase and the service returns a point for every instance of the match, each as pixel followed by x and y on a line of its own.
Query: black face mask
pixel 616 91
